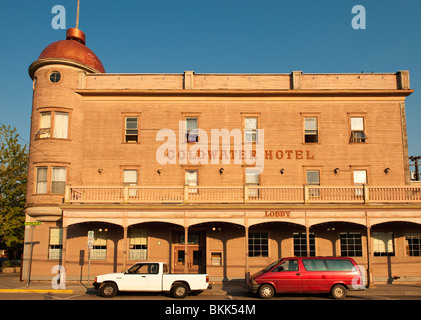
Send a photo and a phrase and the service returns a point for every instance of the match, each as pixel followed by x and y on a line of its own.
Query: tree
pixel 13 178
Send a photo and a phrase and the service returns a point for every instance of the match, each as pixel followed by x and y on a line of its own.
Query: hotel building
pixel 144 162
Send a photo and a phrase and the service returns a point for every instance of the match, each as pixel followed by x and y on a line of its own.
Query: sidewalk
pixel 10 283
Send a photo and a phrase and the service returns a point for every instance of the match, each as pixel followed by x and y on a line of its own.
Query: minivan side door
pixel 288 277
pixel 315 276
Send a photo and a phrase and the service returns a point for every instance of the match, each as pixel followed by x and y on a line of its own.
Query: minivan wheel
pixel 338 291
pixel 266 291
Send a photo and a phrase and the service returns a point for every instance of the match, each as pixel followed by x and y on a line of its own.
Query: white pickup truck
pixel 151 277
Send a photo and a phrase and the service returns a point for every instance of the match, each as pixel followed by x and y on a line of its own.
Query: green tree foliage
pixel 13 178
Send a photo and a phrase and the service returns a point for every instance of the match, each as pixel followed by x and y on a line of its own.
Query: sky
pixel 215 36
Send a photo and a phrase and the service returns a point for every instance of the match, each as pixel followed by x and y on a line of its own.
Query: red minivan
pixel 334 275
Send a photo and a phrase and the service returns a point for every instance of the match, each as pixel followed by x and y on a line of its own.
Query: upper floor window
pixel 192 129
pixel 57 178
pixel 55 76
pixel 59 121
pixel 310 130
pixel 250 129
pixel 252 179
pixel 132 130
pixel 191 179
pixel 357 130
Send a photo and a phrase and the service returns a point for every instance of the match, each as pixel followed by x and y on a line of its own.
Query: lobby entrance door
pixel 196 255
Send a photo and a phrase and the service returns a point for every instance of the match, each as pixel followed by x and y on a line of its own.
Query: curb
pixel 35 291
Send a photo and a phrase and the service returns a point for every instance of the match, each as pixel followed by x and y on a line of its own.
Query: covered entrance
pixel 195 260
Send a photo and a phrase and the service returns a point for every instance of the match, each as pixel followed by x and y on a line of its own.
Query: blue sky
pixel 211 36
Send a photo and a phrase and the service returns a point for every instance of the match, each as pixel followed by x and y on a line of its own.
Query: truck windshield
pixel 271 265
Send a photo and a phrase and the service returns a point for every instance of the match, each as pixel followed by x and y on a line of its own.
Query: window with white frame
pixel 250 129
pixel 138 244
pixel 130 179
pixel 413 244
pixel 313 179
pixel 58 180
pixel 58 120
pixel 357 130
pixel 132 130
pixel 41 180
pixel 311 134
pixel 360 179
pixel 383 244
pixel 45 125
pixel 61 125
pixel 191 180
pixel 55 246
pixel 192 129
pixel 252 180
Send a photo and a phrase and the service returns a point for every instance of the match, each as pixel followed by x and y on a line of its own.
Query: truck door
pixel 288 277
pixel 142 277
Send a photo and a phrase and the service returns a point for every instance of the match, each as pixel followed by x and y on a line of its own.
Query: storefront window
pixel 138 244
pixel 258 244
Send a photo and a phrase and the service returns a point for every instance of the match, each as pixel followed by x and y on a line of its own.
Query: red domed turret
pixel 71 51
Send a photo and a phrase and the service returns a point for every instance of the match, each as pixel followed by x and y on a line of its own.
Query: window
pixel 55 246
pixel 191 179
pixel 41 186
pixel 383 244
pixel 191 130
pixel 300 244
pixel 131 130
pixel 55 76
pixel 357 130
pixel 58 120
pixel 313 179
pixel 250 130
pixel 130 179
pixel 58 181
pixel 144 268
pixel 61 125
pixel 310 130
pixel 45 125
pixel 287 265
pixel 138 244
pixel 360 177
pixel 99 250
pixel 258 244
pixel 216 258
pixel 314 265
pixel 413 244
pixel 252 179
pixel 351 244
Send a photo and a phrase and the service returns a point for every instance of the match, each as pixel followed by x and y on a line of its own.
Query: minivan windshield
pixel 271 265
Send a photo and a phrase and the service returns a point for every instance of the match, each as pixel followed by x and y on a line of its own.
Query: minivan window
pixel 327 265
pixel 339 265
pixel 314 265
pixel 287 265
pixel 271 265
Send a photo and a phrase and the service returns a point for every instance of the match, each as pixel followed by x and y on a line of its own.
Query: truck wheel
pixel 179 290
pixel 338 291
pixel 108 290
pixel 266 291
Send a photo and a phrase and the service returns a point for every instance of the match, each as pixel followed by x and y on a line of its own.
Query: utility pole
pixel 415 159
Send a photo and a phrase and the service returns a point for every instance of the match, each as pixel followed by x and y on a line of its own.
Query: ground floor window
pixel 300 244
pixel 99 250
pixel 258 244
pixel 351 244
pixel 383 244
pixel 55 246
pixel 413 244
pixel 138 244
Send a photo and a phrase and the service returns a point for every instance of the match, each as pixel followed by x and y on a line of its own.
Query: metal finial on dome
pixel 77 14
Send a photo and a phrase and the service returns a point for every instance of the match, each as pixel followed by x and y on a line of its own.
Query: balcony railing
pixel 241 194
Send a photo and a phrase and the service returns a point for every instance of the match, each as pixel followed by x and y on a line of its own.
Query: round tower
pixel 57 126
